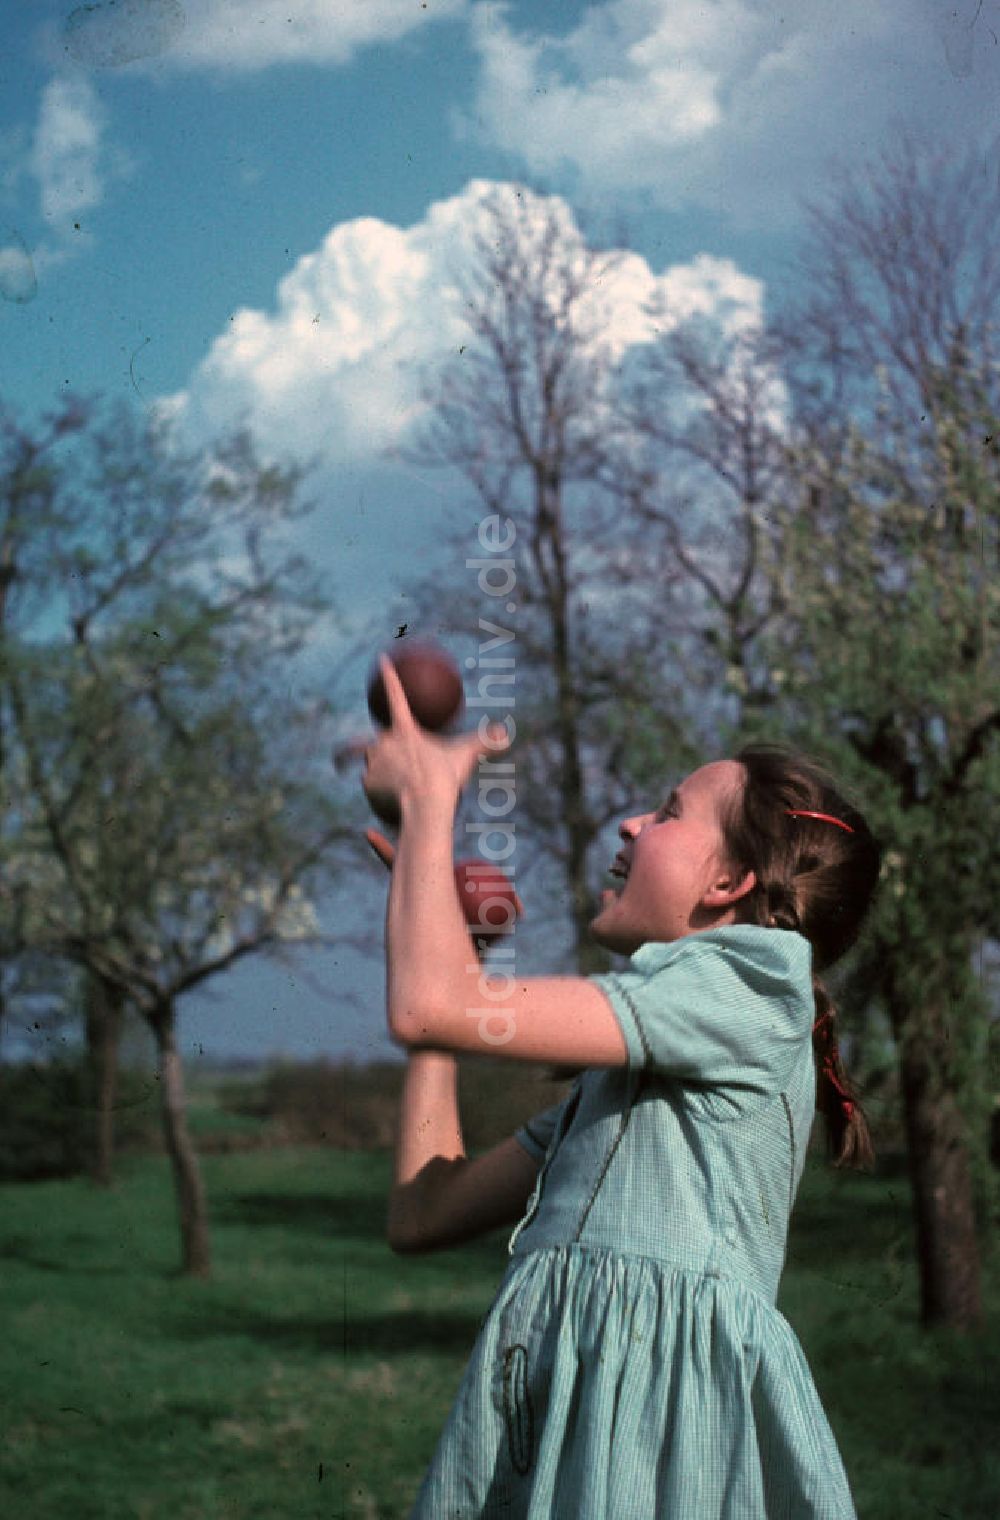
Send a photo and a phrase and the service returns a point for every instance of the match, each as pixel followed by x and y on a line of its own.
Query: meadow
pixel 310 1377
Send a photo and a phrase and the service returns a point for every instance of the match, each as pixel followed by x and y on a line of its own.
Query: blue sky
pixel 257 210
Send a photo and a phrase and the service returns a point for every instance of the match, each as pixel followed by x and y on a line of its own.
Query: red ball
pixel 430 678
pixel 487 895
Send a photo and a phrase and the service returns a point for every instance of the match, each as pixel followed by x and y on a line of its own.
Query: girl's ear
pixel 728 889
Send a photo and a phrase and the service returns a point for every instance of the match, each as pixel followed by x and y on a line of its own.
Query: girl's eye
pixel 666 811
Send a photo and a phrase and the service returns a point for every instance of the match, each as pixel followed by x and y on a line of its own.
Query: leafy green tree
pixel 167 816
pixel 889 649
pixel 27 493
pixel 829 488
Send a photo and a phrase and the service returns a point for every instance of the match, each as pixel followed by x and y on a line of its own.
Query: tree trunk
pixel 191 1205
pixel 940 1173
pixel 103 1023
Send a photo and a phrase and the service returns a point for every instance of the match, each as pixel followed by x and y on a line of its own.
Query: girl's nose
pixel 630 827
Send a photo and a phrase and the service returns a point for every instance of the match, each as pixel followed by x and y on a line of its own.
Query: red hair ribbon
pixel 838 1086
pixel 823 817
pixel 846 1105
pixel 827 1067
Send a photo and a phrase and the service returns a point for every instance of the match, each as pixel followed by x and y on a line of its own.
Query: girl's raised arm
pixel 438 995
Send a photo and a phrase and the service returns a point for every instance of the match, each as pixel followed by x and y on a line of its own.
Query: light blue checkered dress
pixel 633 1365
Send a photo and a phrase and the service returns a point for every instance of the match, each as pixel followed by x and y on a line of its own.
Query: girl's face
pixel 676 879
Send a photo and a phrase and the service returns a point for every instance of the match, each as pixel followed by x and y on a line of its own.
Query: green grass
pixel 311 1376
pixel 211 1122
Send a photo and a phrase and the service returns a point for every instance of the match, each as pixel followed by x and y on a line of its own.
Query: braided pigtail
pixel 848 1136
pixel 815 865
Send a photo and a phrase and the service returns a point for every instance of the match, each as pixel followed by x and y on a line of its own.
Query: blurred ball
pixel 385 806
pixel 430 678
pixel 487 895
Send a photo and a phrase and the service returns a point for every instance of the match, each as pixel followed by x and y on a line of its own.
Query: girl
pixel 633 1364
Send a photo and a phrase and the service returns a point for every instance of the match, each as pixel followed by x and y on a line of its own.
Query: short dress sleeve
pixel 726 1007
pixel 534 1136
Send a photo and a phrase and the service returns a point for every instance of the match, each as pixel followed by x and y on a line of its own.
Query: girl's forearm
pixel 431 959
pixel 429 1123
pixel 428 1145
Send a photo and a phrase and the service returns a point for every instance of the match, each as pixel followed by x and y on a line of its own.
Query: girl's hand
pixel 407 759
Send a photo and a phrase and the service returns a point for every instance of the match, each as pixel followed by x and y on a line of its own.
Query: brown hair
pixel 814 877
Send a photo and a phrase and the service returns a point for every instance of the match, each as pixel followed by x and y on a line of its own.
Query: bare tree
pixel 703 485
pixel 528 415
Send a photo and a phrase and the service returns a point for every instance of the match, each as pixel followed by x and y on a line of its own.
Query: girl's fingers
pixel 399 708
pixel 383 849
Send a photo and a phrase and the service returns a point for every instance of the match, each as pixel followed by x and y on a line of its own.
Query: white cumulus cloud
pixel 336 368
pixel 738 105
pixel 634 79
pixel 333 372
